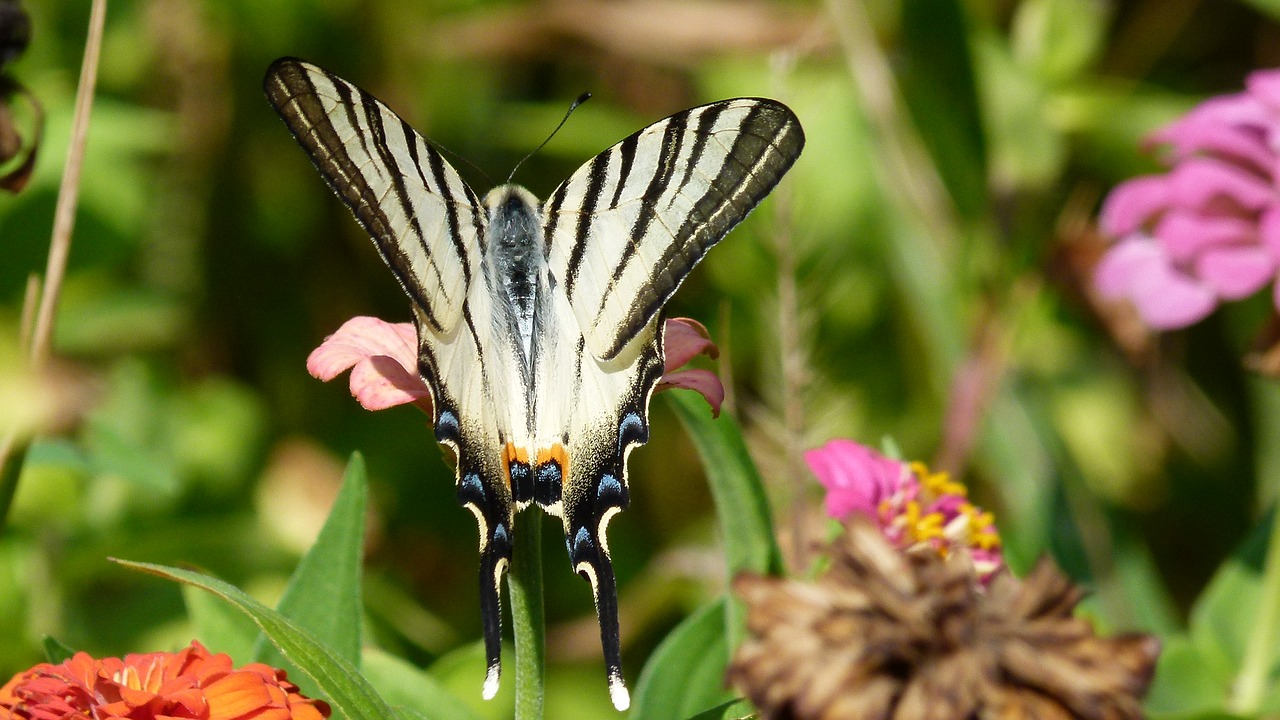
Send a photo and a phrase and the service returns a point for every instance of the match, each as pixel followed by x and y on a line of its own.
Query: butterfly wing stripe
pixel 421 219
pixel 736 189
pixel 656 189
pixel 626 157
pixel 672 141
pixel 597 170
pixel 374 116
pixel 675 189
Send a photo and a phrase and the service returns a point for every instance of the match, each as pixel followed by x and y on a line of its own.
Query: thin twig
pixel 69 192
pixel 791 352
pixel 36 341
pixel 26 324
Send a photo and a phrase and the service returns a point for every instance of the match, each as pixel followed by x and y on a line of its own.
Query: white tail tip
pixel 491 683
pixel 618 694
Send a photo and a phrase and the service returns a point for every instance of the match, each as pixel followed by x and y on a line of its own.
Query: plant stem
pixel 13 448
pixel 528 619
pixel 64 214
pixel 1251 683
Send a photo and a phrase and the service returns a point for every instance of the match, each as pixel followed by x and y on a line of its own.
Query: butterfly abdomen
pixel 516 265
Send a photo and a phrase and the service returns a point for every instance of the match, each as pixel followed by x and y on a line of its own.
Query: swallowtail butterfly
pixel 540 323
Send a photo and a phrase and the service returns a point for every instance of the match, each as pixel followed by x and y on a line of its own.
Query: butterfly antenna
pixel 581 99
pixel 458 157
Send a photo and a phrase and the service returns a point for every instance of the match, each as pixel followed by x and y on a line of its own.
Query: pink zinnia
pixel 1208 230
pixel 916 509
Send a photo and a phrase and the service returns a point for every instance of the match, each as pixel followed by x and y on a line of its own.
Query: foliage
pixel 922 274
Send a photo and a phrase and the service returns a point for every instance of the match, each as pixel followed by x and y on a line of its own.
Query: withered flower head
pixel 912 636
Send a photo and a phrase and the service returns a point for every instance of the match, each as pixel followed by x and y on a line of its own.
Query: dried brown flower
pixel 911 636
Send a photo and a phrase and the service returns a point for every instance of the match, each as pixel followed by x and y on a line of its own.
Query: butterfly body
pixel 540 323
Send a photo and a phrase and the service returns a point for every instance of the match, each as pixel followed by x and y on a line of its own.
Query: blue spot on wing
pixel 631 429
pixel 447 425
pixel 581 543
pixel 471 485
pixel 609 485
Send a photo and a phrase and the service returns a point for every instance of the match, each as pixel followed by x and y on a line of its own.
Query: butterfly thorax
pixel 516 265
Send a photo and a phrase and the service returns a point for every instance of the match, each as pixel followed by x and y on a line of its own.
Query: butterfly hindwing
pixel 540 326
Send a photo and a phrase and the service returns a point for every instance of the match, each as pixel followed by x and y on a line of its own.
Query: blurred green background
pixel 934 240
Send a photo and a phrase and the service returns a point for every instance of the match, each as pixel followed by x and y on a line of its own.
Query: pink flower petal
pixel 856 477
pixel 1201 183
pixel 1269 230
pixel 683 340
pixel 697 379
pixel 1235 273
pixel 362 337
pixel 379 382
pixel 1184 235
pixel 1167 299
pixel 382 359
pixel 1199 134
pixel 1264 85
pixel 1237 110
pixel 1123 262
pixel 1133 203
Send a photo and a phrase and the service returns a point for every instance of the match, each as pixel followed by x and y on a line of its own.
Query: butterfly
pixel 540 323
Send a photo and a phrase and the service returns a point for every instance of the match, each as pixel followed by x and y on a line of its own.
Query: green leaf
pixel 742 508
pixel 741 505
pixel 1188 681
pixel 462 670
pixel 1270 7
pixel 721 711
pixel 685 675
pixel 323 595
pixel 219 626
pixel 1060 39
pixel 55 652
pixel 1223 617
pixel 352 697
pixel 409 689
pixel 939 88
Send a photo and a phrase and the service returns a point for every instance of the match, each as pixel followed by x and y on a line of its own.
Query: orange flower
pixel 191 683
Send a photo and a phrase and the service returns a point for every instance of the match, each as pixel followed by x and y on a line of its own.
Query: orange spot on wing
pixel 555 453
pixel 510 454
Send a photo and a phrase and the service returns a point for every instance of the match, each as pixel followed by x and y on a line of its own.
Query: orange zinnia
pixel 192 683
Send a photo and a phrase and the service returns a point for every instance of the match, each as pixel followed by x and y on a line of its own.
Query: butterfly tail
pixel 589 554
pixel 494 560
pixel 494 518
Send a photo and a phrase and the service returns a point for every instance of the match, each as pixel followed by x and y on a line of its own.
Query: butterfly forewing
pixel 626 229
pixel 425 221
pixel 540 326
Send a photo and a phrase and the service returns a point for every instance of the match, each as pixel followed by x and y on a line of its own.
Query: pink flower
pixel 856 477
pixel 917 510
pixel 1207 231
pixel 383 359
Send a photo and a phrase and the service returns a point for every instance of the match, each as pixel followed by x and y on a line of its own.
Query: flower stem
pixel 1251 683
pixel 528 619
pixel 64 213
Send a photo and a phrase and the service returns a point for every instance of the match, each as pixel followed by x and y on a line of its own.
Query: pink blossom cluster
pixel 1208 230
pixel 915 508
